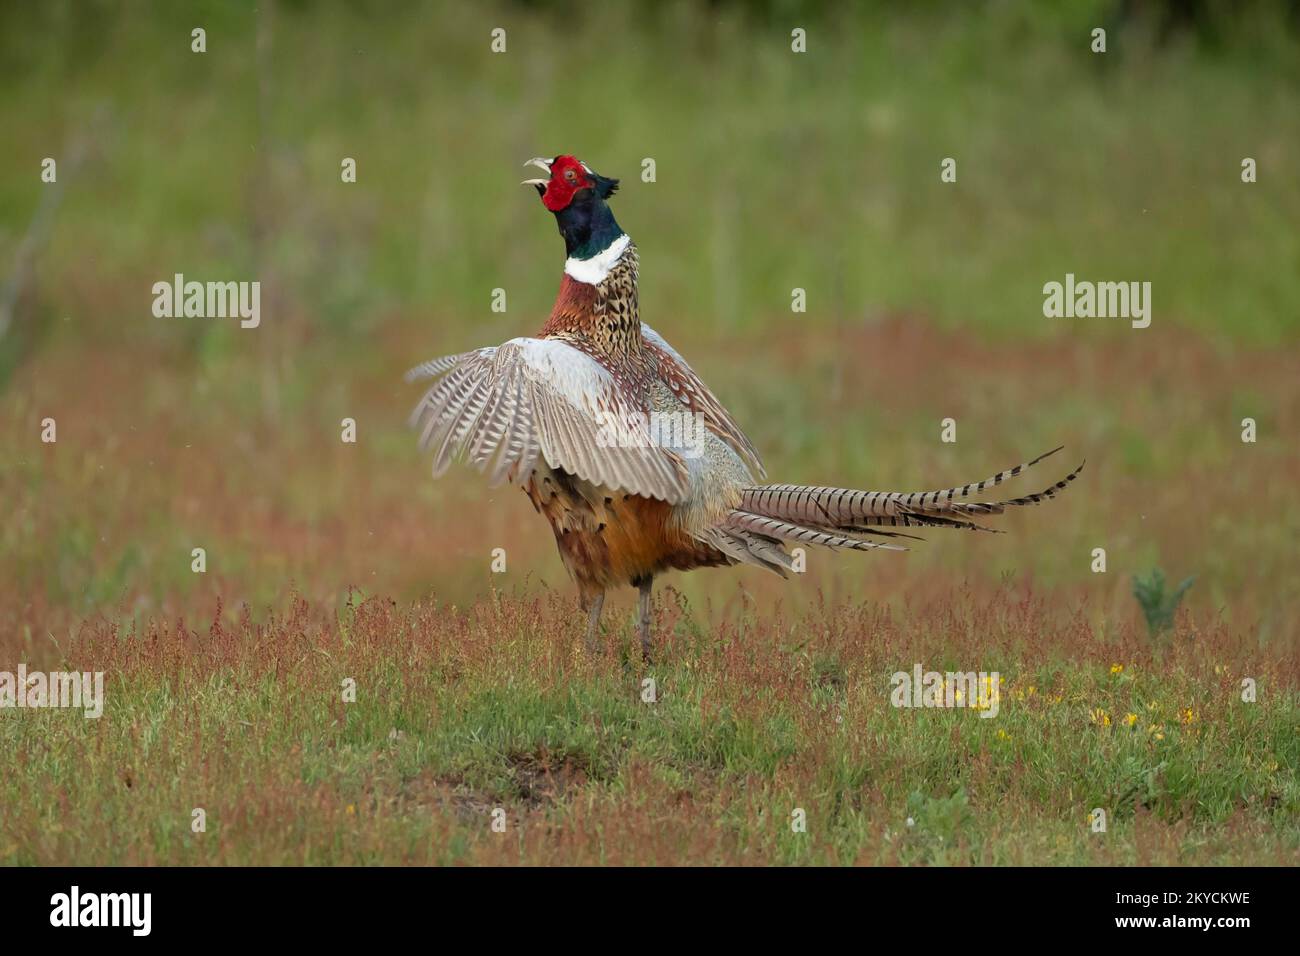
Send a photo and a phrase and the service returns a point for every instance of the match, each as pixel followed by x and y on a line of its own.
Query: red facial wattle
pixel 568 176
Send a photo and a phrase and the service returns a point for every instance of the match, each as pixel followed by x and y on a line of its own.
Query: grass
pixel 329 560
pixel 460 713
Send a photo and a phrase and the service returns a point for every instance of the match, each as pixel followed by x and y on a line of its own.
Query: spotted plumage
pixel 571 416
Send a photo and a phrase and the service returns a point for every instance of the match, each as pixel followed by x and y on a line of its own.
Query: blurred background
pixel 773 170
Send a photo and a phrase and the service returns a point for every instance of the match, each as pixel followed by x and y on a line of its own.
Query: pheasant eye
pixel 570 175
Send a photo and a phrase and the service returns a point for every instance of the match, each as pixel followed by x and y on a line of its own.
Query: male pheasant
pixel 574 416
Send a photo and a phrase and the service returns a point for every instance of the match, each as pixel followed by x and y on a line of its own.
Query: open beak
pixel 540 163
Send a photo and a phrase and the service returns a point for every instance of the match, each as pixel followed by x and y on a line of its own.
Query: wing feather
pixel 692 391
pixel 501 408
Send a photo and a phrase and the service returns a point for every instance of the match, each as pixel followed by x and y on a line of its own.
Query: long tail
pixel 837 517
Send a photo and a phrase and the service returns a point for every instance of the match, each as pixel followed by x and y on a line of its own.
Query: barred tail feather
pixel 786 531
pixel 743 547
pixel 758 540
pixel 914 519
pixel 845 510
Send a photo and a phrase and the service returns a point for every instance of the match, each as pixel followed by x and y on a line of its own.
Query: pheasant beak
pixel 540 163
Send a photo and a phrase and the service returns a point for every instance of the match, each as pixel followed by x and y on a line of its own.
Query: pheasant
pixel 575 417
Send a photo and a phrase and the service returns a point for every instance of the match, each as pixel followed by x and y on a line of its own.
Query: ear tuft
pixel 606 187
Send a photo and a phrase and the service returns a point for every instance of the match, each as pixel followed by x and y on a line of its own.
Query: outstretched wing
pixel 693 393
pixel 502 407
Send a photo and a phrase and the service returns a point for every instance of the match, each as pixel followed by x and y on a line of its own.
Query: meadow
pixel 329 561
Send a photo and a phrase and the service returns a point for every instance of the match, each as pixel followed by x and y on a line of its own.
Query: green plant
pixel 1158 607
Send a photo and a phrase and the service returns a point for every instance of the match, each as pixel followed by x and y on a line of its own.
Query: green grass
pixel 460 715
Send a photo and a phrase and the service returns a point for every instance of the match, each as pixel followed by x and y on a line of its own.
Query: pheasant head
pixel 576 194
